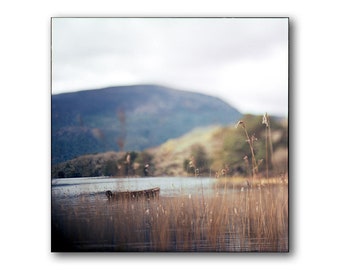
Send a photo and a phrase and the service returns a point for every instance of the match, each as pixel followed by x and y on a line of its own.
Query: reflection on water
pixel 191 214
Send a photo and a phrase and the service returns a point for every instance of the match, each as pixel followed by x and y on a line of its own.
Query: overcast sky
pixel 243 61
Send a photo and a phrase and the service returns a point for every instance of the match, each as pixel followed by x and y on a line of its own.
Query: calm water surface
pixel 170 186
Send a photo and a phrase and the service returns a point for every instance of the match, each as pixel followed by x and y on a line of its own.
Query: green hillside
pixel 211 149
pixel 129 118
pixel 217 148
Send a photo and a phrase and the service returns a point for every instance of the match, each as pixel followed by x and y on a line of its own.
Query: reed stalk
pixel 269 143
pixel 250 142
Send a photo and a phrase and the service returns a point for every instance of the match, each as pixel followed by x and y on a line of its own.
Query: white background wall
pixel 314 133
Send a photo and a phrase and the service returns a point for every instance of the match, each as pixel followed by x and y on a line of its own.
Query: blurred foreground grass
pixel 237 217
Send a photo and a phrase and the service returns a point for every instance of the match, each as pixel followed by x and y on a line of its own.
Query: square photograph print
pixel 169 134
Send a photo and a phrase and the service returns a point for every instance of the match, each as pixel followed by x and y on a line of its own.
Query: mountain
pixel 129 118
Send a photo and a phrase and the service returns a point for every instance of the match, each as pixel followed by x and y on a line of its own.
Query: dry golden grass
pixel 235 218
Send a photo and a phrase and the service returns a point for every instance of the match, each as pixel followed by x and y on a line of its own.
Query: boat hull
pixel 147 193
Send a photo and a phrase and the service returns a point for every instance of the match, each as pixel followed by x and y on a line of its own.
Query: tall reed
pixel 269 143
pixel 250 141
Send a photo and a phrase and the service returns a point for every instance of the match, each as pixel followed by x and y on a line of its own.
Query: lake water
pixel 188 216
pixel 170 186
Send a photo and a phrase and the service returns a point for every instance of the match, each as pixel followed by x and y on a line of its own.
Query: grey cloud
pixel 186 53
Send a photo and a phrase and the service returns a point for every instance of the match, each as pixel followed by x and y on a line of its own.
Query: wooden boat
pixel 146 193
